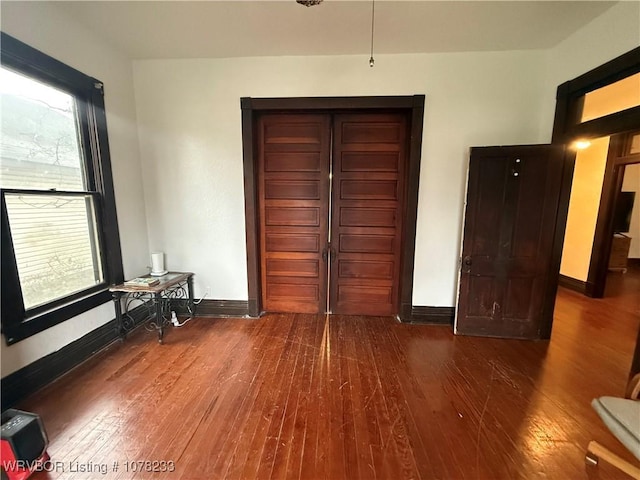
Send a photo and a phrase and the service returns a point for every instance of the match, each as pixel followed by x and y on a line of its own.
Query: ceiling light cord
pixel 373 16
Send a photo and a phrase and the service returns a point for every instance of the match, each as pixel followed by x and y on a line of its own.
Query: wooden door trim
pixel 566 130
pixel 413 105
pixel 569 94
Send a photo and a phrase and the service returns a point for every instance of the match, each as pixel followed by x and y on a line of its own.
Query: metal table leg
pixel 191 302
pixel 159 317
pixel 120 331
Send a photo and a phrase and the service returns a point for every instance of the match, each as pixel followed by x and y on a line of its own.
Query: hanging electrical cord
pixel 197 302
pixel 174 319
pixel 175 322
pixel 373 16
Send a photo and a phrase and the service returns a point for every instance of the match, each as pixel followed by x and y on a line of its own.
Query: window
pixel 60 242
pixel 612 98
pixel 603 101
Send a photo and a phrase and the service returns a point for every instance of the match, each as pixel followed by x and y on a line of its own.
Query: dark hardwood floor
pixel 303 396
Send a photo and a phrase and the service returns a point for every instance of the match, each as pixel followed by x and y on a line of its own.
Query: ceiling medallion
pixel 309 3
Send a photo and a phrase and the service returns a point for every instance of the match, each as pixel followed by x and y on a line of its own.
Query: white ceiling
pixel 187 29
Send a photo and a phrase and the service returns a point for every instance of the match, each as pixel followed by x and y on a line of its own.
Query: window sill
pixel 36 324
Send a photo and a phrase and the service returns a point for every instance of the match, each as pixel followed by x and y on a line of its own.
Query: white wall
pixel 190 137
pixel 190 140
pixel 584 204
pixel 42 26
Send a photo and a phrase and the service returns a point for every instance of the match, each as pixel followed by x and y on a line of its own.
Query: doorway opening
pixel 623 278
pixel 602 207
pixel 602 107
pixel 617 234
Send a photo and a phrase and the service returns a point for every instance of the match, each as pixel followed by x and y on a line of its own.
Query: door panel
pixel 364 269
pixel 291 267
pixel 369 162
pixel 291 189
pixel 293 157
pixel 360 294
pixel 292 162
pixel 292 216
pixel 512 199
pixel 369 157
pixel 369 190
pixel 373 244
pixel 292 241
pixel 368 217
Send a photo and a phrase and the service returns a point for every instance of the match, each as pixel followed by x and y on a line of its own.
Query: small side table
pixel 173 286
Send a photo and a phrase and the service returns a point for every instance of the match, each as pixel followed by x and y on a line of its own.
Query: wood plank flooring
pixel 345 397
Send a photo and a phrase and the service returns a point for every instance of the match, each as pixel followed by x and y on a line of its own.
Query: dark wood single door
pixel 510 216
pixel 293 156
pixel 369 158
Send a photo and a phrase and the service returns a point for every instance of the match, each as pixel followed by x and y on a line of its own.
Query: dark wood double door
pixel 331 201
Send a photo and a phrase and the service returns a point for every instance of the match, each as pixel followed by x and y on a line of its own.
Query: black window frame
pixel 17 323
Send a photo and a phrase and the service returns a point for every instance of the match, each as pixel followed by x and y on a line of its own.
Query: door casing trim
pixel 412 105
pixel 565 131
